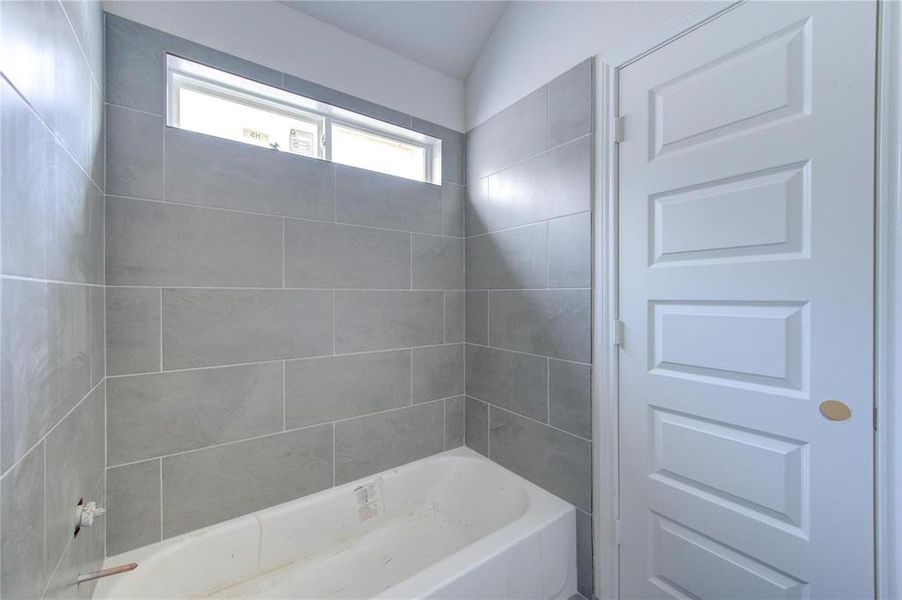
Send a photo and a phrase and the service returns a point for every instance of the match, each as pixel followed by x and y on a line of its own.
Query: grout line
pixel 161 330
pixel 488 315
pixel 547 256
pixel 587 211
pixel 548 391
pixel 282 289
pixel 137 110
pixel 445 317
pixel 411 260
pixel 284 252
pixel 577 362
pixel 513 412
pixel 532 156
pixel 160 460
pixel 292 217
pixel 333 454
pixel 334 321
pixel 411 376
pixel 284 396
pixel 52 281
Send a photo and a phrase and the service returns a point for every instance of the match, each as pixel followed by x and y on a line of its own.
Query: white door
pixel 746 291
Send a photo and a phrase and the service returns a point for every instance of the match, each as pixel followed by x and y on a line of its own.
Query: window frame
pixel 182 73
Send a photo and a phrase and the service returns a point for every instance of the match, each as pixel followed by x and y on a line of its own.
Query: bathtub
pixel 454 525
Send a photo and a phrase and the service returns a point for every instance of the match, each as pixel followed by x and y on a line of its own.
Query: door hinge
pixel 617 531
pixel 618 332
pixel 619 129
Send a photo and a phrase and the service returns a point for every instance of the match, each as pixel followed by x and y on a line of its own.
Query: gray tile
pixel 318 390
pixel 477 426
pixel 84 554
pixel 454 422
pixel 132 330
pixel 516 133
pixel 134 153
pixel 584 575
pixel 327 255
pixel 133 506
pixel 452 149
pixel 211 171
pixel 87 21
pixel 156 243
pixel 208 486
pixel 46 359
pixel 164 413
pixel 555 323
pixel 382 320
pixel 35 38
pixel 374 443
pixel 570 397
pixel 570 104
pixel 553 184
pixel 23 570
pixel 370 198
pixel 570 251
pixel 97 307
pixel 52 224
pixel 205 327
pixel 554 460
pixel 476 201
pixel 516 258
pixel 75 465
pixel 477 318
pixel 346 101
pixel 438 263
pixel 438 372
pixel 518 382
pixel 135 63
pixel 454 317
pixel 453 209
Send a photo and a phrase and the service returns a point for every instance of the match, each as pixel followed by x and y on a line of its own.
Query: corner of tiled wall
pixel 529 292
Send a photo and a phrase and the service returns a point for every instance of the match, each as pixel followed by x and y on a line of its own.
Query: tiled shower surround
pixel 529 291
pixel 276 325
pixel 51 210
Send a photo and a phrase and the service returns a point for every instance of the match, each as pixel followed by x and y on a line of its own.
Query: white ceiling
pixel 446 35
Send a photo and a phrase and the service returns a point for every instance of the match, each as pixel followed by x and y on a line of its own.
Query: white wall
pixel 284 39
pixel 536 41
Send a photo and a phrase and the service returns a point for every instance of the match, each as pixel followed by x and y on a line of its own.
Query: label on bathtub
pixel 368 500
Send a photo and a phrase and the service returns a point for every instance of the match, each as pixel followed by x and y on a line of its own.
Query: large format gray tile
pixel 75 465
pixel 164 413
pixel 346 101
pixel 134 153
pixel 454 422
pixel 476 199
pixel 374 443
pixel 570 251
pixel 211 485
pixel 84 554
pixel 135 63
pixel 453 209
pixel 455 306
pixel 518 382
pixel 328 255
pixel 157 243
pixel 553 184
pixel 554 460
pixel 87 21
pixel 382 320
pixel 133 506
pixel 477 318
pixel 318 390
pixel 438 263
pixel 370 198
pixel 40 56
pixel 52 226
pixel 205 327
pixel 453 146
pixel 570 104
pixel 477 426
pixel 516 133
pixel 132 330
pixel 212 171
pixel 97 308
pixel 46 359
pixel 438 372
pixel 584 576
pixel 516 258
pixel 570 397
pixel 23 568
pixel 555 323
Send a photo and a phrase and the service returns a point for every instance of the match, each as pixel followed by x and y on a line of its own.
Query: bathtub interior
pixel 355 540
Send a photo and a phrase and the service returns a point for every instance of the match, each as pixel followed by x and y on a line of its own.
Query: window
pixel 214 102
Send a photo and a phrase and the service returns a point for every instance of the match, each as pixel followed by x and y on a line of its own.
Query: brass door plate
pixel 836 410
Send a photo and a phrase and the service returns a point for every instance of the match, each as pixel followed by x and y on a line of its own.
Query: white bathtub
pixel 454 525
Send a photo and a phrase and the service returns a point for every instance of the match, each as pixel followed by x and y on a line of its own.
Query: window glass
pixel 367 150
